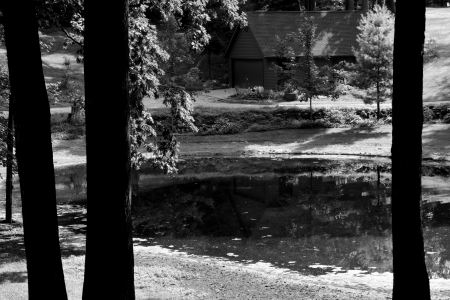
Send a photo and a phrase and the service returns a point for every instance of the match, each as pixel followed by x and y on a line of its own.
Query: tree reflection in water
pixel 342 221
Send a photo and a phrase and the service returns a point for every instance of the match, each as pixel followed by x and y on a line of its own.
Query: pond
pixel 307 215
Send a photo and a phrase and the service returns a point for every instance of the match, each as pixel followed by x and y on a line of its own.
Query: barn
pixel 251 51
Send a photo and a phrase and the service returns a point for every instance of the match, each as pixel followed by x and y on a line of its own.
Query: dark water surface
pixel 311 216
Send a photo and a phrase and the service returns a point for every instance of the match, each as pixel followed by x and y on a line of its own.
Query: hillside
pixel 436 82
pixel 436 73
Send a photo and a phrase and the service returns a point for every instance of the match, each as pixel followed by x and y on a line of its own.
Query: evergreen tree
pixel 375 55
pixel 299 71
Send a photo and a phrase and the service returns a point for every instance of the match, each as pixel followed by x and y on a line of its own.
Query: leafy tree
pixel 220 34
pixel 410 272
pixel 375 54
pixel 299 72
pixel 136 73
pixel 298 5
pixel 147 73
pixel 176 46
pixel 34 151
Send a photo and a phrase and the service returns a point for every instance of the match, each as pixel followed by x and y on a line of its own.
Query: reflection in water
pixel 307 217
pixel 309 222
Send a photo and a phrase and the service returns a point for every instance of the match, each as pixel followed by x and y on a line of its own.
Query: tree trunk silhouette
pixel 109 272
pixel 410 273
pixel 378 100
pixel 34 151
pixel 9 162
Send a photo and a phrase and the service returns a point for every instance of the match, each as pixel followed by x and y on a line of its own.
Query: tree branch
pixel 68 35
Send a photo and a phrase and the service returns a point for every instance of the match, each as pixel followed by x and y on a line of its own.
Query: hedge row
pixel 219 121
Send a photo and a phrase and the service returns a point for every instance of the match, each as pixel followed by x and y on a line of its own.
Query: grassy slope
pixel 436 83
pixel 436 73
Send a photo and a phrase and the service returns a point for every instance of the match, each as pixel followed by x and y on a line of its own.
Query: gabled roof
pixel 335 34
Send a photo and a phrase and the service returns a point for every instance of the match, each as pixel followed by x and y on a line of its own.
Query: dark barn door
pixel 248 73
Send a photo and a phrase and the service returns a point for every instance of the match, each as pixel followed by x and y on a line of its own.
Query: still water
pixel 309 216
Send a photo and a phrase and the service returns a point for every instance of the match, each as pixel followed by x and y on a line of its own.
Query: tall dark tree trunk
pixel 410 273
pixel 9 161
pixel 312 5
pixel 109 272
pixel 34 151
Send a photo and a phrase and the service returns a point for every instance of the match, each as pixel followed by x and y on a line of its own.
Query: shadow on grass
pixel 72 232
pixel 13 277
pixel 435 139
pixel 307 140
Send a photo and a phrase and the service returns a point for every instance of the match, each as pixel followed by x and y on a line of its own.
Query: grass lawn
pixel 436 81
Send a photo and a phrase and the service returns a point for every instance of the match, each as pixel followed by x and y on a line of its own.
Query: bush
pixel 430 51
pixel 211 120
pixel 428 114
pixel 62 129
pixel 446 119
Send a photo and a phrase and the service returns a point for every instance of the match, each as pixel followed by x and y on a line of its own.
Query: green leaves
pixel 300 73
pixel 375 54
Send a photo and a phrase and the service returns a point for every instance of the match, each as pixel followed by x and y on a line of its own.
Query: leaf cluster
pixel 298 71
pixel 375 55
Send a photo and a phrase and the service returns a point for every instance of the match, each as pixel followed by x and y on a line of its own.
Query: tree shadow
pixel 319 140
pixel 435 140
pixel 13 277
pixel 72 147
pixel 72 231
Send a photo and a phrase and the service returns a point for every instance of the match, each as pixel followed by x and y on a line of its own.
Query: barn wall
pixel 270 77
pixel 245 46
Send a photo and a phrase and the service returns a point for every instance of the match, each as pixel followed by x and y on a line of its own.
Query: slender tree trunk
pixel 109 268
pixel 312 5
pixel 410 273
pixel 310 109
pixel 9 161
pixel 34 151
pixel 209 63
pixel 378 100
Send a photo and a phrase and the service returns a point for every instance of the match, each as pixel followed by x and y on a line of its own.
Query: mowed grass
pixel 436 81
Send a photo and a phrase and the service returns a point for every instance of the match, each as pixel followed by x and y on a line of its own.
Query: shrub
pixel 428 114
pixel 430 51
pixel 446 119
